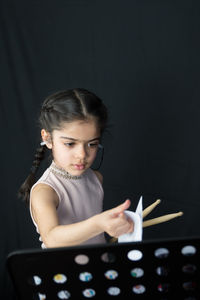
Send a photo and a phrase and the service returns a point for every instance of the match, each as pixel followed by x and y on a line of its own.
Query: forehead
pixel 80 130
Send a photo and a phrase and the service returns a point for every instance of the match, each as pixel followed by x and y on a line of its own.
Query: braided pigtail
pixel 24 191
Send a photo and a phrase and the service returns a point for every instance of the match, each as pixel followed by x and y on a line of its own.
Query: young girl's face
pixel 74 146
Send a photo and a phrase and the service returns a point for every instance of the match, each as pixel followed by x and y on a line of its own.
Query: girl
pixel 66 202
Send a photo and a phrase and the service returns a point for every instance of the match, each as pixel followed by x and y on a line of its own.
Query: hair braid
pixel 39 156
pixel 24 191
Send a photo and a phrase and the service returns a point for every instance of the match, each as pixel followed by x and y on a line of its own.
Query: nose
pixel 81 152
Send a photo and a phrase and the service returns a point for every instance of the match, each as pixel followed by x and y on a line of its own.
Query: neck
pixel 62 172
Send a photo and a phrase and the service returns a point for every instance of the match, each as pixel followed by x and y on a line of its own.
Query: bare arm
pixel 44 201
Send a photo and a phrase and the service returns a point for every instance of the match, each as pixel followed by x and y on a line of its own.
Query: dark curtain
pixel 142 58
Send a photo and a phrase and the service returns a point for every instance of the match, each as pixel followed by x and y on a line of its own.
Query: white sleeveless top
pixel 79 199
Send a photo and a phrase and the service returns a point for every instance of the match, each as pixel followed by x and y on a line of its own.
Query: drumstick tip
pixel 180 213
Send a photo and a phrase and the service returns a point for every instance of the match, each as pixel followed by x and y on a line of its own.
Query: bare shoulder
pixel 99 176
pixel 44 194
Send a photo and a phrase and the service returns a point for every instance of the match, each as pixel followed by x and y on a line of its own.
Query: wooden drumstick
pixel 161 219
pixel 148 209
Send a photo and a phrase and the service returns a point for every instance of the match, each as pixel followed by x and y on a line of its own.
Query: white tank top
pixel 79 199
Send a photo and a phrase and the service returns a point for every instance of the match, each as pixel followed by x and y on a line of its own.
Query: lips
pixel 79 166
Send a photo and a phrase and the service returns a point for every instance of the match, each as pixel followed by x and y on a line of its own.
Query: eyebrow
pixel 75 140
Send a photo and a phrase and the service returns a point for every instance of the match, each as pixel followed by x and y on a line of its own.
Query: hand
pixel 115 222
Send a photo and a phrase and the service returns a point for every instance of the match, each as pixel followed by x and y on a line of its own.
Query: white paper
pixel 136 216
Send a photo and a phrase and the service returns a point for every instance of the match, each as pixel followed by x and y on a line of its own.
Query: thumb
pixel 121 208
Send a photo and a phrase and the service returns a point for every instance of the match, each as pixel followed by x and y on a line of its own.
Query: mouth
pixel 79 166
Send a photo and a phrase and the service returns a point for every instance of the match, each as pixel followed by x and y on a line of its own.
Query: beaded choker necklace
pixel 61 172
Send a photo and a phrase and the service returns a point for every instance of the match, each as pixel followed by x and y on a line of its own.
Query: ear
pixel 46 137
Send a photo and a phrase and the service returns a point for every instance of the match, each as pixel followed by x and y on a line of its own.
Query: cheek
pixel 65 155
pixel 61 153
pixel 93 155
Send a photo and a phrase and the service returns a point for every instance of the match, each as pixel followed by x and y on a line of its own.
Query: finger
pixel 121 208
pixel 122 215
pixel 131 225
pixel 126 227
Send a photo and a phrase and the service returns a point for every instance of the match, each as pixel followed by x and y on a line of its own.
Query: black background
pixel 142 58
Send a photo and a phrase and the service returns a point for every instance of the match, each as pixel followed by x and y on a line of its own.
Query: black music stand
pixel 159 269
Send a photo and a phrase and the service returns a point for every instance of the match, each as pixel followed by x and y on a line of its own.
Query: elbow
pixel 49 241
pixel 52 240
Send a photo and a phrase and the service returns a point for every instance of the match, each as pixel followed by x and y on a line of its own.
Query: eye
pixel 69 144
pixel 93 145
